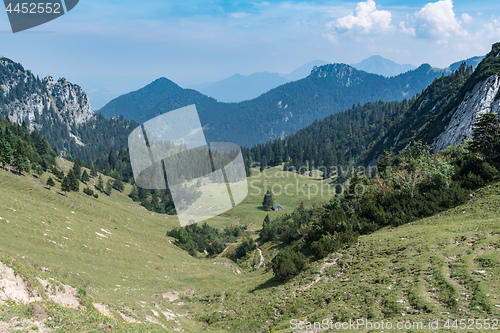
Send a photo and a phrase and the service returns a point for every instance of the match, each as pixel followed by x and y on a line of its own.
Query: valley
pixel 419 245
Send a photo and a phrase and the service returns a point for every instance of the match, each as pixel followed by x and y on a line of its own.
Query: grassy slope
pixel 133 261
pixel 419 271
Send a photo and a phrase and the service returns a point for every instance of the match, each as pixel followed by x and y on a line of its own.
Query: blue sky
pixel 111 47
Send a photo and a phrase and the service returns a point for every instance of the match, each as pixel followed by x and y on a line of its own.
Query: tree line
pixel 410 185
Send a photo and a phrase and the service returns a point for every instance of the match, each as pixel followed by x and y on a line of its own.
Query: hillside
pixel 60 111
pixel 444 113
pixel 279 112
pixel 117 257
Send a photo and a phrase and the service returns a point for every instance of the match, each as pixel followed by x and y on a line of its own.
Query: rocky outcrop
pixel 70 100
pixel 345 74
pixel 41 103
pixel 481 99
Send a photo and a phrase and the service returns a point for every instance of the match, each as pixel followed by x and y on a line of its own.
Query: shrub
pixel 88 191
pixel 287 264
pixel 246 246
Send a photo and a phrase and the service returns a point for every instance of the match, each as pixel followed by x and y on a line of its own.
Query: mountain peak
pixel 377 64
pixel 163 84
pixel 337 70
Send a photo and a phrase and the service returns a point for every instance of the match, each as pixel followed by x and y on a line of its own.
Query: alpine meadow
pixel 358 198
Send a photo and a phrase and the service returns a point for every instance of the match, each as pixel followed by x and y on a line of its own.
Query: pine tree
pixel 486 133
pixel 386 160
pixel 77 168
pixel 118 184
pixel 85 176
pixel 93 170
pixel 108 188
pixel 268 201
pixel 50 182
pixel 65 185
pixel 263 163
pixel 5 153
pixel 134 194
pixel 74 183
pixel 143 194
pixel 20 158
pixel 100 184
pixel 19 163
pixel 267 220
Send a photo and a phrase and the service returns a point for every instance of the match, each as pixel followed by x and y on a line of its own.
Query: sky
pixel 111 47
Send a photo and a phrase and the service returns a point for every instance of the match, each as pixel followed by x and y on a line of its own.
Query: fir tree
pixel 77 168
pixel 143 194
pixel 263 163
pixel 74 183
pixel 85 176
pixel 134 194
pixel 100 184
pixel 65 185
pixel 109 187
pixel 19 163
pixel 486 133
pixel 93 171
pixel 20 158
pixel 267 221
pixel 5 153
pixel 50 182
pixel 118 184
pixel 386 160
pixel 268 201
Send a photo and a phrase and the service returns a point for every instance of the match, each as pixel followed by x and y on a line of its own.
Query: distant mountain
pixel 382 66
pixel 59 110
pixel 474 62
pixel 279 112
pixel 304 70
pixel 239 88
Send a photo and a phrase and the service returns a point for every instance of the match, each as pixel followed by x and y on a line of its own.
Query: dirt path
pixel 328 262
pixel 222 253
pixel 261 262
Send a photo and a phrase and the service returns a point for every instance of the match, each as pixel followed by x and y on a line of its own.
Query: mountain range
pixel 61 111
pixel 440 116
pixel 279 112
pixel 237 88
pixel 419 245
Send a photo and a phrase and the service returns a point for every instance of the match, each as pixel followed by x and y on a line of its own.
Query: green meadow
pixel 117 255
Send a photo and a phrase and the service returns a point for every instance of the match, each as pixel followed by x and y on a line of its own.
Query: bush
pixel 246 246
pixel 287 264
pixel 88 191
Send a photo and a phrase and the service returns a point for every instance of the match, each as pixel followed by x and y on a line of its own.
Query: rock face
pixel 482 98
pixel 24 97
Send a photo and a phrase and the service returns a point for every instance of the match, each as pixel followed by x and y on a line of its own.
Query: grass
pixel 118 254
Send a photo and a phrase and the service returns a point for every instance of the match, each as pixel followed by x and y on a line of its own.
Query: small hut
pixel 277 207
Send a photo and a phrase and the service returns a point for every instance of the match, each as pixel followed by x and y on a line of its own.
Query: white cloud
pixel 466 18
pixel 409 30
pixel 491 29
pixel 239 15
pixel 436 20
pixel 366 18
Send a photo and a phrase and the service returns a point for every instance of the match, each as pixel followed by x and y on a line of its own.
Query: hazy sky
pixel 111 47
